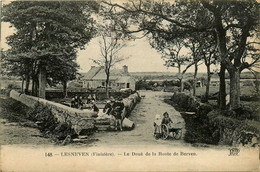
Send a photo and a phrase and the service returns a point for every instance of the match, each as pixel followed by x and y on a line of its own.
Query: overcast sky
pixel 142 57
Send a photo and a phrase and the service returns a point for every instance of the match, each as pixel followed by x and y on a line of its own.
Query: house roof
pixel 98 73
pixel 92 72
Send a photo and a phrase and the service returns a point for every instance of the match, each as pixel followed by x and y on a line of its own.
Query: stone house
pixel 119 78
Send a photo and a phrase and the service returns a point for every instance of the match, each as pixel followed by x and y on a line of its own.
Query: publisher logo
pixel 233 151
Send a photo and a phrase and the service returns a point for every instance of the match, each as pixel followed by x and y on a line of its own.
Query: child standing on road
pixel 157 126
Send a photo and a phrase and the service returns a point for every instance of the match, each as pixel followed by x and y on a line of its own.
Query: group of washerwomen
pixel 113 107
pixel 77 102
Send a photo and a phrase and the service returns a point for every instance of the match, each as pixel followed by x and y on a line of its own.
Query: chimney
pixel 125 68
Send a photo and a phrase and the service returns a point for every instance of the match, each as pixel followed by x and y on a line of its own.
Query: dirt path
pixel 143 116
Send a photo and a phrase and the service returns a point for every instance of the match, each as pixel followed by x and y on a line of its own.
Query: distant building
pixel 119 78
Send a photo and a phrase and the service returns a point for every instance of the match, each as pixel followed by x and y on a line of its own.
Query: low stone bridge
pixel 79 119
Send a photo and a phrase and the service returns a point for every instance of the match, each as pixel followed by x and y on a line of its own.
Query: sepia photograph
pixel 129 85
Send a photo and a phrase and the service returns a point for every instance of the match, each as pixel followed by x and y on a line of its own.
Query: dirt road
pixel 143 116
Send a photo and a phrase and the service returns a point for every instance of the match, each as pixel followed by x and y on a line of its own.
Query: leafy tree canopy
pixel 48 32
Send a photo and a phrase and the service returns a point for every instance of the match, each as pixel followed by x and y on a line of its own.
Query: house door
pixel 127 85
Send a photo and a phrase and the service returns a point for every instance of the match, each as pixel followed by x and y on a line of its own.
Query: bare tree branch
pixel 166 18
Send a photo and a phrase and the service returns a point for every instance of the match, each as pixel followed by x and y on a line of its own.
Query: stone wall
pixel 130 103
pixel 79 119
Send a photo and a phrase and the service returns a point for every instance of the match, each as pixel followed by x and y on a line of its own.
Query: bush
pixel 198 130
pixel 242 113
pixel 203 110
pixel 217 127
pixel 187 85
pixel 202 98
pixel 143 85
pixel 232 131
pixel 171 83
pixel 250 98
pixel 185 101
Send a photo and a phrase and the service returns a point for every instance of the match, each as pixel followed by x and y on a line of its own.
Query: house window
pixel 127 85
pixel 103 84
pixel 117 84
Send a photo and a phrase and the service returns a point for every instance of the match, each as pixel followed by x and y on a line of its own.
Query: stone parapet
pixel 79 119
pixel 62 113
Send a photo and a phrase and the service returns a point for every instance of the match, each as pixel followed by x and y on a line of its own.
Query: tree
pixel 63 70
pixel 203 47
pixel 209 55
pixel 233 22
pixel 15 63
pixel 110 45
pixel 195 47
pixel 171 54
pixel 171 51
pixel 46 31
pixel 11 68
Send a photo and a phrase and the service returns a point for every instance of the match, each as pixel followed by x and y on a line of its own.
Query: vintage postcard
pixel 138 85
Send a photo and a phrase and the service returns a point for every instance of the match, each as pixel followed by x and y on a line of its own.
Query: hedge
pixel 185 101
pixel 232 131
pixel 212 126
